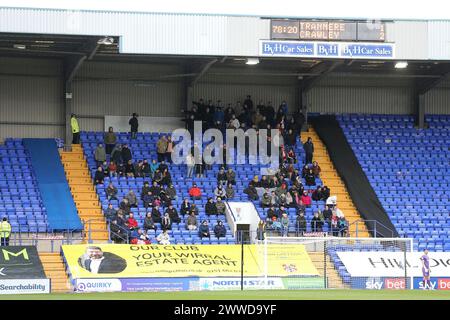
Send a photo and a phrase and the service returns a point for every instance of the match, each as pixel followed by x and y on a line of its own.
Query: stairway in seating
pixel 331 178
pixel 55 270
pixel 84 194
pixel 334 280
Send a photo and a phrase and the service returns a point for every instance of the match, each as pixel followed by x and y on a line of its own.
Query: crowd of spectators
pixel 276 191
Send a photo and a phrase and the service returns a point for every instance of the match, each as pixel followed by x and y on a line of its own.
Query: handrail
pixel 125 231
pixel 375 230
pixel 90 228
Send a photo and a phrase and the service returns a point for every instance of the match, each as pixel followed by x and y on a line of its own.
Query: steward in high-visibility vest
pixel 75 129
pixel 5 232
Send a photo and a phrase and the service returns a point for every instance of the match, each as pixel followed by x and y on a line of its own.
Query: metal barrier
pixel 374 227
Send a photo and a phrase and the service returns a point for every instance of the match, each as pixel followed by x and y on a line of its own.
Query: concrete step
pixel 88 204
pixel 79 181
pixel 85 196
pixel 78 174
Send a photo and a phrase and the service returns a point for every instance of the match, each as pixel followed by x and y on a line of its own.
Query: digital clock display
pixel 285 29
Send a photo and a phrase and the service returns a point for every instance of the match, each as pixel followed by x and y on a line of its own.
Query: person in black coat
pixel 219 230
pixel 251 192
pixel 310 178
pixel 134 124
pixel 308 146
pixel 173 214
pixel 126 154
pixel 210 207
pixel 185 207
pixel 156 215
pixel 271 212
pixel 99 176
pixel 317 194
pixel 327 214
pixel 290 139
pixel 325 193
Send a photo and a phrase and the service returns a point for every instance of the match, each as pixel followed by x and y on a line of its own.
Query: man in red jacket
pixel 195 192
pixel 131 222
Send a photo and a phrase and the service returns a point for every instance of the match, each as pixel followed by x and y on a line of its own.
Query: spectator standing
pixel 249 103
pixel 343 226
pixel 153 167
pixel 285 224
pixel 219 230
pixel 327 214
pixel 261 230
pixel 110 140
pixel 100 154
pixel 116 155
pixel 169 150
pixel 334 225
pixel 316 223
pixel 203 231
pixel 308 146
pixel 5 232
pixel 163 238
pixel 301 223
pixel 192 222
pixel 134 124
pixel 190 163
pixel 75 129
pixel 161 148
pixel 126 153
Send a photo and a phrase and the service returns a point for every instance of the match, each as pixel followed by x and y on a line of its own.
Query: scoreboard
pixel 327 30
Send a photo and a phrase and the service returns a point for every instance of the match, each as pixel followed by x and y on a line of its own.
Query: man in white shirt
pixel 96 261
pixel 234 123
pixel 163 238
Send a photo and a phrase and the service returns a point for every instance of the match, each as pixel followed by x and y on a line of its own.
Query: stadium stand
pixel 21 200
pixel 411 177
